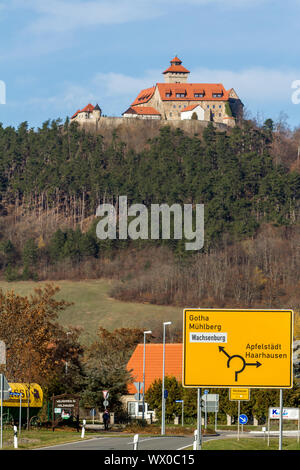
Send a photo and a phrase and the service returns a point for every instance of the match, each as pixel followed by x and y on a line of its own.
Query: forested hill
pixel 233 174
pixel 54 178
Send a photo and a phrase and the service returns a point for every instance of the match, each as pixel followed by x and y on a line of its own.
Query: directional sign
pixel 242 394
pixel 243 419
pixel 238 348
pixel 166 393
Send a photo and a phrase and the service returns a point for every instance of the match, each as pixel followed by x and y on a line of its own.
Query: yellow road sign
pixel 238 348
pixel 239 394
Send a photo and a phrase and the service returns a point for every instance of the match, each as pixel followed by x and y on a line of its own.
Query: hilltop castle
pixel 176 99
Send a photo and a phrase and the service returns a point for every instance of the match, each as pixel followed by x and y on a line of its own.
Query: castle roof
pixel 190 108
pixel 192 91
pixel 153 363
pixel 89 108
pixel 184 91
pixel 143 111
pixel 144 96
pixel 176 66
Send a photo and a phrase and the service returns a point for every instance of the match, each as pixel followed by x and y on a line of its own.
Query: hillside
pixel 54 178
pixel 93 307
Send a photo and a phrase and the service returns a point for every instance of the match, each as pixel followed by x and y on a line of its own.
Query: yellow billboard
pixel 238 348
pixel 33 392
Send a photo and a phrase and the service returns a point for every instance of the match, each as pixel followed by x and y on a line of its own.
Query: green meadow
pixel 93 307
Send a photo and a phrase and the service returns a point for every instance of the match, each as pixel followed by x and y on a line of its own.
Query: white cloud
pixel 252 84
pixel 66 15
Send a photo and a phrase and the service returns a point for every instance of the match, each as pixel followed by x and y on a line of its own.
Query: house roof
pixel 144 96
pixel 154 364
pixel 176 66
pixel 87 109
pixel 168 92
pixel 190 89
pixel 190 108
pixel 142 110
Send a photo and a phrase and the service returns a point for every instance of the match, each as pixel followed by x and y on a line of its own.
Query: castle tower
pixel 176 73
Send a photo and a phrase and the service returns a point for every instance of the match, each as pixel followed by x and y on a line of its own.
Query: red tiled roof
pixel 190 108
pixel 144 96
pixel 142 110
pixel 190 89
pixel 176 68
pixel 87 109
pixel 154 364
pixel 176 60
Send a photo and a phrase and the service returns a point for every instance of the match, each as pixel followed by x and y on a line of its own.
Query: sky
pixel 56 56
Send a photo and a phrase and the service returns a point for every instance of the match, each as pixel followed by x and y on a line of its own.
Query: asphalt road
pixel 125 443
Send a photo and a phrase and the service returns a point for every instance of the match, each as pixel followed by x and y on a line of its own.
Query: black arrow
pixel 257 364
pixel 222 349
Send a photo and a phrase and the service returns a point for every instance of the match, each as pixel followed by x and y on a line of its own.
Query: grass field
pixel 93 307
pixel 40 438
pixel 249 444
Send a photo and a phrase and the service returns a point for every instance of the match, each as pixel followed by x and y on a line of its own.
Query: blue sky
pixel 56 56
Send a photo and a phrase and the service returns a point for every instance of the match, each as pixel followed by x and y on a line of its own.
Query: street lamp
pixel 145 333
pixel 163 399
pixel 66 363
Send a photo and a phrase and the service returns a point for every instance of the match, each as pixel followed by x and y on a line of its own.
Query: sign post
pixel 5 390
pixel 230 348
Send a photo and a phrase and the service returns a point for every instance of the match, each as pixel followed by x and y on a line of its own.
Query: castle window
pixel 217 95
pixel 180 95
pixel 168 95
pixel 198 95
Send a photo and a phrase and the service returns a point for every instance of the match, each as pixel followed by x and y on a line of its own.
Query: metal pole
pixel 20 415
pixel 1 418
pixel 182 419
pixel 205 421
pixel 298 425
pixel 199 419
pixel 163 399
pixel 239 409
pixel 143 413
pixel 280 419
pixel 145 333
pixel 163 402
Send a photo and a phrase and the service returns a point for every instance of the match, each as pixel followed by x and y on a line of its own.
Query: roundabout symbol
pixel 242 361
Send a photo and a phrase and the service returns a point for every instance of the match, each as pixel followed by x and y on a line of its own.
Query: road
pixel 125 443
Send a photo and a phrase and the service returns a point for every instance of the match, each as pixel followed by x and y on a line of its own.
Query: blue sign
pixel 178 401
pixel 243 419
pixel 166 393
pixel 206 392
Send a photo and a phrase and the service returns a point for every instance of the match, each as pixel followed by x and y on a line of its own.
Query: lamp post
pixel 145 333
pixel 66 363
pixel 163 399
